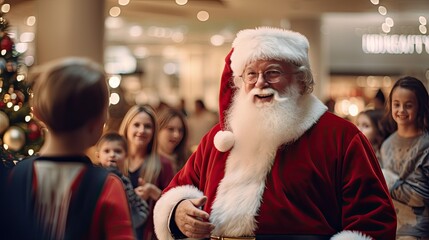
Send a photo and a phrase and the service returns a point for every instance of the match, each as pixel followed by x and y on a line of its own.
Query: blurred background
pixel 172 51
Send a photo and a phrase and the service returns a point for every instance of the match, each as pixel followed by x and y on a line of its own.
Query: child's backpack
pixel 21 202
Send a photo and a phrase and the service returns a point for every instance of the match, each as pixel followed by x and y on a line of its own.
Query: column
pixel 70 28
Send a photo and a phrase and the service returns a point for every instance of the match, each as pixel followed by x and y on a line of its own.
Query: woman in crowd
pixel 149 174
pixel 405 157
pixel 172 137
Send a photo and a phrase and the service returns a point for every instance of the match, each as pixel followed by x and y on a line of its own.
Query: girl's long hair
pixel 376 116
pixel 164 116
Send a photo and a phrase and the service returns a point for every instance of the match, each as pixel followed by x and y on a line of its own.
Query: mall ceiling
pixel 342 19
pixel 227 15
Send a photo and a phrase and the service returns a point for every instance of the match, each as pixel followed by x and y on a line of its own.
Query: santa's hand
pixel 191 220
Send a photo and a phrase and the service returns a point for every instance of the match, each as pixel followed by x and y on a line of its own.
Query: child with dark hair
pixel 405 157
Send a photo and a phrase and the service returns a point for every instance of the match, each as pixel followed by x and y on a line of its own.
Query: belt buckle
pixel 231 238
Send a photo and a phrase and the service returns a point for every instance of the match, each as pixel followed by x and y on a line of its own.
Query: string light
pixel 422 20
pixel 123 2
pixel 181 2
pixel 203 16
pixel 115 11
pixel 382 10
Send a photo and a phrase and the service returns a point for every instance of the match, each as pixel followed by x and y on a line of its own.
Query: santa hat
pixel 268 43
pixel 261 43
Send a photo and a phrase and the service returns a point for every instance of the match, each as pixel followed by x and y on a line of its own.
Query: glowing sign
pixel 395 44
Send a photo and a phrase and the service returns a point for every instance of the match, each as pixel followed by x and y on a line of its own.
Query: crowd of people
pixel 274 163
pixel 399 136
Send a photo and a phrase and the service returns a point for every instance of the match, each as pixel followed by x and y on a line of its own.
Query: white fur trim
pixel 239 194
pixel 164 206
pixel 224 140
pixel 390 177
pixel 350 235
pixel 268 43
pixel 311 109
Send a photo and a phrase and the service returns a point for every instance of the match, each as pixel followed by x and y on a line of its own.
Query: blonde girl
pixel 148 173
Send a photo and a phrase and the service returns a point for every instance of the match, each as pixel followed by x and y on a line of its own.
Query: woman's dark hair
pixel 164 118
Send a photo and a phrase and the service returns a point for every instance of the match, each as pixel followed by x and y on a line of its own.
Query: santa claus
pixel 278 165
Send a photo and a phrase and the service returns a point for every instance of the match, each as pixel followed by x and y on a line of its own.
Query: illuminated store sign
pixel 395 44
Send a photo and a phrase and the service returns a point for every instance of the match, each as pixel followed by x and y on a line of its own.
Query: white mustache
pixel 267 91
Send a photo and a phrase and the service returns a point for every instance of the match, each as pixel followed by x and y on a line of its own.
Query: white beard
pixel 266 125
pixel 258 130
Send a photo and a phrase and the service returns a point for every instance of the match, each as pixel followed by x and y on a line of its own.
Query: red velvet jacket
pixel 327 181
pixel 315 186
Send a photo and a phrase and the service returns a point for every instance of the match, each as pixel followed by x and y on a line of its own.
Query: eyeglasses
pixel 271 76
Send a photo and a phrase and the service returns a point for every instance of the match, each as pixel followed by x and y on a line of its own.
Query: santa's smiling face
pixel 268 106
pixel 264 78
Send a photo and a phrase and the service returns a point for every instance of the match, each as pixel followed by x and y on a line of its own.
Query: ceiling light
pixel 203 16
pixel 5 8
pixel 31 20
pixel 423 29
pixel 385 28
pixel 135 31
pixel 113 22
pixel 115 11
pixel 114 98
pixel 382 10
pixel 422 20
pixel 115 81
pixel 181 2
pixel 177 37
pixel 217 40
pixel 375 2
pixel 123 2
pixel 389 22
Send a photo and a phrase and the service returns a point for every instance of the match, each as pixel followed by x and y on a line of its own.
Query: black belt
pixel 278 237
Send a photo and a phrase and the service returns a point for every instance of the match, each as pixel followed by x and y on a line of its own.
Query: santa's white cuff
pixel 350 235
pixel 165 205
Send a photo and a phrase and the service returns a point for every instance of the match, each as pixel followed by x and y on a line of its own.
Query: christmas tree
pixel 20 134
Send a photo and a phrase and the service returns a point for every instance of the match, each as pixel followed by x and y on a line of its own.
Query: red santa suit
pixel 324 180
